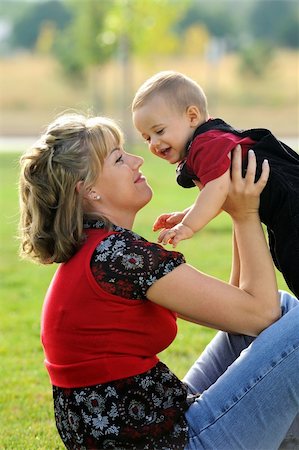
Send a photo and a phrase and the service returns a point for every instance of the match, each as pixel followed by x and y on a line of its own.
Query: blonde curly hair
pixel 72 149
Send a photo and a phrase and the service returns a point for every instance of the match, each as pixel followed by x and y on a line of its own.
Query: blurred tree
pixel 276 22
pixel 290 31
pixel 273 23
pixel 256 59
pixel 218 18
pixel 83 46
pixel 148 25
pixel 12 10
pixel 145 29
pixel 28 25
pixel 101 30
pixel 196 40
pixel 45 40
pixel 239 21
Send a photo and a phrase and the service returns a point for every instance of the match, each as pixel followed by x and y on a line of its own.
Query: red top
pixel 208 156
pixel 91 336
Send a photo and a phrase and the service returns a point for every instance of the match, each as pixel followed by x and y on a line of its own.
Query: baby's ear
pixel 194 116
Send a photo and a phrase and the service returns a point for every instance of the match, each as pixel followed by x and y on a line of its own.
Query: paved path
pixel 19 143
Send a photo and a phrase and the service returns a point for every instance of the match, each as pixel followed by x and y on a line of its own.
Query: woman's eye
pixel 160 131
pixel 119 159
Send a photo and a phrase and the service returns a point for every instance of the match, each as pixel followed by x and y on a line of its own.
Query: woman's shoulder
pixel 126 244
pixel 136 263
pixel 121 241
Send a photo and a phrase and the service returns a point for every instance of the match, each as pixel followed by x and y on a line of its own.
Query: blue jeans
pixel 250 387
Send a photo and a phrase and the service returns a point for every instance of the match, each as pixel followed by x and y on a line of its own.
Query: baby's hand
pixel 175 235
pixel 168 220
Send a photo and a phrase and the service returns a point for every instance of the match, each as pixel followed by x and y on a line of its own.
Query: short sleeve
pixel 209 155
pixel 126 265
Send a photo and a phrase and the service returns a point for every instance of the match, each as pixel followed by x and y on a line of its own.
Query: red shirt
pixel 91 336
pixel 208 156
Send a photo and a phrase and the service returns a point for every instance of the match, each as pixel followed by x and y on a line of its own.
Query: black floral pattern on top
pixel 142 412
pixel 125 264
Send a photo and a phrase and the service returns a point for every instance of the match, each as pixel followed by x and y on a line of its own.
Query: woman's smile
pixel 140 178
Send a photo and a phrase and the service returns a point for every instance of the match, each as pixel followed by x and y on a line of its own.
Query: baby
pixel 170 112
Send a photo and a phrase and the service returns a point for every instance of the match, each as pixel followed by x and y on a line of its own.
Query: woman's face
pixel 122 188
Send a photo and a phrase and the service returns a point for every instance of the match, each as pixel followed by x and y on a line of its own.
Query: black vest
pixel 283 184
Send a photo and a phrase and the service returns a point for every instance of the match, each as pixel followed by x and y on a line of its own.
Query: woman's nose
pixel 137 161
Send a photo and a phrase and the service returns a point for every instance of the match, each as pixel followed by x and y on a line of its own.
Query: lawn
pixel 26 415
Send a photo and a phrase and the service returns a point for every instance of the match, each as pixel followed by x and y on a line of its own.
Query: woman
pixel 113 302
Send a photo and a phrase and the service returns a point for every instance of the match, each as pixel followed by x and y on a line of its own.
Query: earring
pixel 92 194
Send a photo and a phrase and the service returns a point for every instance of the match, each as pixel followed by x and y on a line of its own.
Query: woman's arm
pixel 253 305
pixel 235 271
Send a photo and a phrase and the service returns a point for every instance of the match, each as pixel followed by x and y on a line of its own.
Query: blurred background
pixel 91 56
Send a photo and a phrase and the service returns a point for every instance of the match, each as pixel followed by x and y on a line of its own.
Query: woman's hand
pixel 244 193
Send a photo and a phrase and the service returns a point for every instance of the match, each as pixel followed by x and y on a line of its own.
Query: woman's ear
pixel 82 190
pixel 87 193
pixel 194 116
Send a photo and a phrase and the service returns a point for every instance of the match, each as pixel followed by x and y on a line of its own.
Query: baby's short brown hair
pixel 177 89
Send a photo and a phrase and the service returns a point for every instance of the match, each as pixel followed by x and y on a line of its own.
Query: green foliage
pixel 276 22
pixel 82 44
pixel 213 15
pixel 28 25
pixel 290 31
pixel 240 21
pixel 102 30
pixel 255 60
pixel 148 25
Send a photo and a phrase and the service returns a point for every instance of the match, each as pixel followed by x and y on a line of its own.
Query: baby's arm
pixel 208 203
pixel 169 220
pixel 205 208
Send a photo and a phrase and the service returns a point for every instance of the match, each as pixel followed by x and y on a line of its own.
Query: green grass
pixel 26 413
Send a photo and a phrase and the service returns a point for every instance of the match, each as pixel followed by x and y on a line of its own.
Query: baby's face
pixel 166 130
